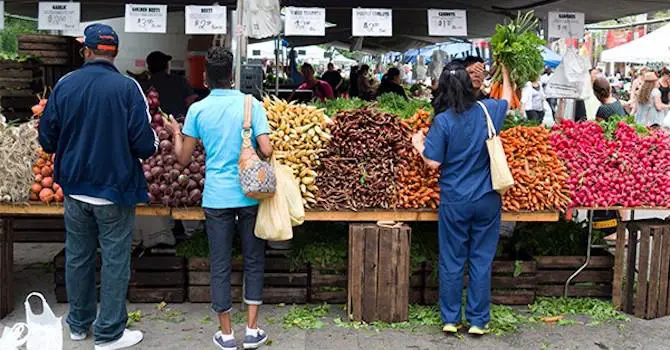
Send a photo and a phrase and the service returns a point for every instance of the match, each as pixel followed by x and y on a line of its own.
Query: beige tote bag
pixel 501 176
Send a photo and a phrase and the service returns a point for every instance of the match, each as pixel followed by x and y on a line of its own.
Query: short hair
pixel 470 60
pixel 219 67
pixel 602 89
pixel 330 64
pixel 306 66
pixel 364 68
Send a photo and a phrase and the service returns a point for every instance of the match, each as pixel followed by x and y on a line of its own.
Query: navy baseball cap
pixel 101 37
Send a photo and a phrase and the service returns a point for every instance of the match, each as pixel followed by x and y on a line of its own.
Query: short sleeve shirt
pixel 458 143
pixel 217 121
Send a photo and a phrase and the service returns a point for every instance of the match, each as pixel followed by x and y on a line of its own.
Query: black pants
pixel 537 116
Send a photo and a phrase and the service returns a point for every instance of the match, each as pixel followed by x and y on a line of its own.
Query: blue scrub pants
pixel 468 231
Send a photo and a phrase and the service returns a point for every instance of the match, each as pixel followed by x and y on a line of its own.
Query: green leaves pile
pixel 401 107
pixel 610 126
pixel 339 104
pixel 516 45
pixel 514 119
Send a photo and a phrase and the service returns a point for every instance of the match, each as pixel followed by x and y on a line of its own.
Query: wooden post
pixel 378 273
pixel 6 267
pixel 619 266
pixel 643 274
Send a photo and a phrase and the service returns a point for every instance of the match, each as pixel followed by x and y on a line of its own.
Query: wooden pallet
pixel 33 229
pixel 506 288
pixel 595 281
pixel 154 278
pixel 282 284
pixel 6 268
pixel 648 252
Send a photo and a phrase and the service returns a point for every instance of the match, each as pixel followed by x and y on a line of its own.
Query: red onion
pixel 146 167
pixel 182 180
pixel 202 170
pixel 163 135
pixel 196 177
pixel 191 185
pixel 156 171
pixel 154 189
pixel 174 174
pixel 147 176
pixel 194 167
pixel 202 183
pixel 165 146
pixel 157 119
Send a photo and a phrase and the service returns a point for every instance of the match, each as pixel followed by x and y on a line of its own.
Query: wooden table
pixel 8 212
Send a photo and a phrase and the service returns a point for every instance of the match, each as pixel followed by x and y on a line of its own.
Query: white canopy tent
pixel 654 47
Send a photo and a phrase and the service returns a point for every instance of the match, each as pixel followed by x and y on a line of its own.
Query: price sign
pixel 566 25
pixel 2 18
pixel 447 22
pixel 146 18
pixel 58 16
pixel 206 19
pixel 305 21
pixel 372 22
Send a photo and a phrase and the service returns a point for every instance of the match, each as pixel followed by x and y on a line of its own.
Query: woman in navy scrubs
pixel 470 210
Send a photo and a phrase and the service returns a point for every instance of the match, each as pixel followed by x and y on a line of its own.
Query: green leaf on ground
pixel 305 317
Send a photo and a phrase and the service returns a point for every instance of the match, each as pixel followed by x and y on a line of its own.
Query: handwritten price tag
pixel 58 16
pixel 372 22
pixel 206 19
pixel 305 21
pixel 146 18
pixel 447 22
pixel 566 25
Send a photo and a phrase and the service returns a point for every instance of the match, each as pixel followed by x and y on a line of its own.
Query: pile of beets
pixel 171 184
pixel 629 169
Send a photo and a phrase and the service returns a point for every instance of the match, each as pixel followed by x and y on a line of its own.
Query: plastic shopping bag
pixel 14 338
pixel 45 331
pixel 274 220
pixel 571 78
pixel 291 190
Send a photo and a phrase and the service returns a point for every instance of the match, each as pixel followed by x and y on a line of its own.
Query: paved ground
pixel 188 326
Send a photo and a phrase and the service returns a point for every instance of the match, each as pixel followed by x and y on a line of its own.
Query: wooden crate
pixel 154 278
pixel 506 288
pixel 282 284
pixel 328 285
pixel 6 267
pixel 33 229
pixel 595 281
pixel 52 50
pixel 19 82
pixel 378 283
pixel 648 253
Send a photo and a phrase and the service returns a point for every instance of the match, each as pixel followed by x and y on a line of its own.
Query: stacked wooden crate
pixel 58 55
pixel 154 278
pixel 19 82
pixel 595 281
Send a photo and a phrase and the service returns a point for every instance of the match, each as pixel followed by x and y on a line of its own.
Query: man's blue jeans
pixel 86 226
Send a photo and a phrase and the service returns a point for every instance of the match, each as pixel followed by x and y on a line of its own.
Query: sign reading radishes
pixel 206 19
pixel 566 25
pixel 58 16
pixel 447 22
pixel 305 21
pixel 372 22
pixel 146 18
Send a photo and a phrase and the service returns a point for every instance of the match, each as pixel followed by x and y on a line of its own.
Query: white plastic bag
pixel 274 221
pixel 291 190
pixel 571 78
pixel 263 18
pixel 14 338
pixel 45 331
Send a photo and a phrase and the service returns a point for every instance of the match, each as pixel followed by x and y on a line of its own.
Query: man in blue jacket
pixel 97 123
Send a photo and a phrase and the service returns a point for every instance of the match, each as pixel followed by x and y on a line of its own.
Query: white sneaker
pixel 78 336
pixel 128 339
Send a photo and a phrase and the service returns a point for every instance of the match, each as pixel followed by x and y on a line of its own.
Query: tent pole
pixel 277 46
pixel 240 31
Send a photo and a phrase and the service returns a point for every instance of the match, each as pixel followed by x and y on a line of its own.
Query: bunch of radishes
pixel 629 170
pixel 170 183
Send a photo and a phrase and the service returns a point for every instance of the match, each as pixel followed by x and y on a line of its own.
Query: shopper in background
pixel 391 83
pixel 217 121
pixel 610 105
pixel 649 109
pixel 664 85
pixel 365 89
pixel 353 81
pixel 319 88
pixel 333 78
pixel 532 101
pixel 470 210
pixel 176 94
pixel 97 123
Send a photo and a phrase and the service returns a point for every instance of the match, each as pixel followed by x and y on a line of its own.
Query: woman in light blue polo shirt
pixel 470 210
pixel 217 122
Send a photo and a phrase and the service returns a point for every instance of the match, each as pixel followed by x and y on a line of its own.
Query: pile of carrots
pixel 44 188
pixel 541 179
pixel 416 184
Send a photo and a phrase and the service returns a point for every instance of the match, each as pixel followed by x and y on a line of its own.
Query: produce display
pixel 540 178
pixel 615 164
pixel 299 137
pixel 18 151
pixel 44 188
pixel 416 183
pixel 358 167
pixel 171 184
pixel 516 45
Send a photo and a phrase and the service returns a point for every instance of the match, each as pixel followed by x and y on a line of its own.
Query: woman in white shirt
pixel 649 110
